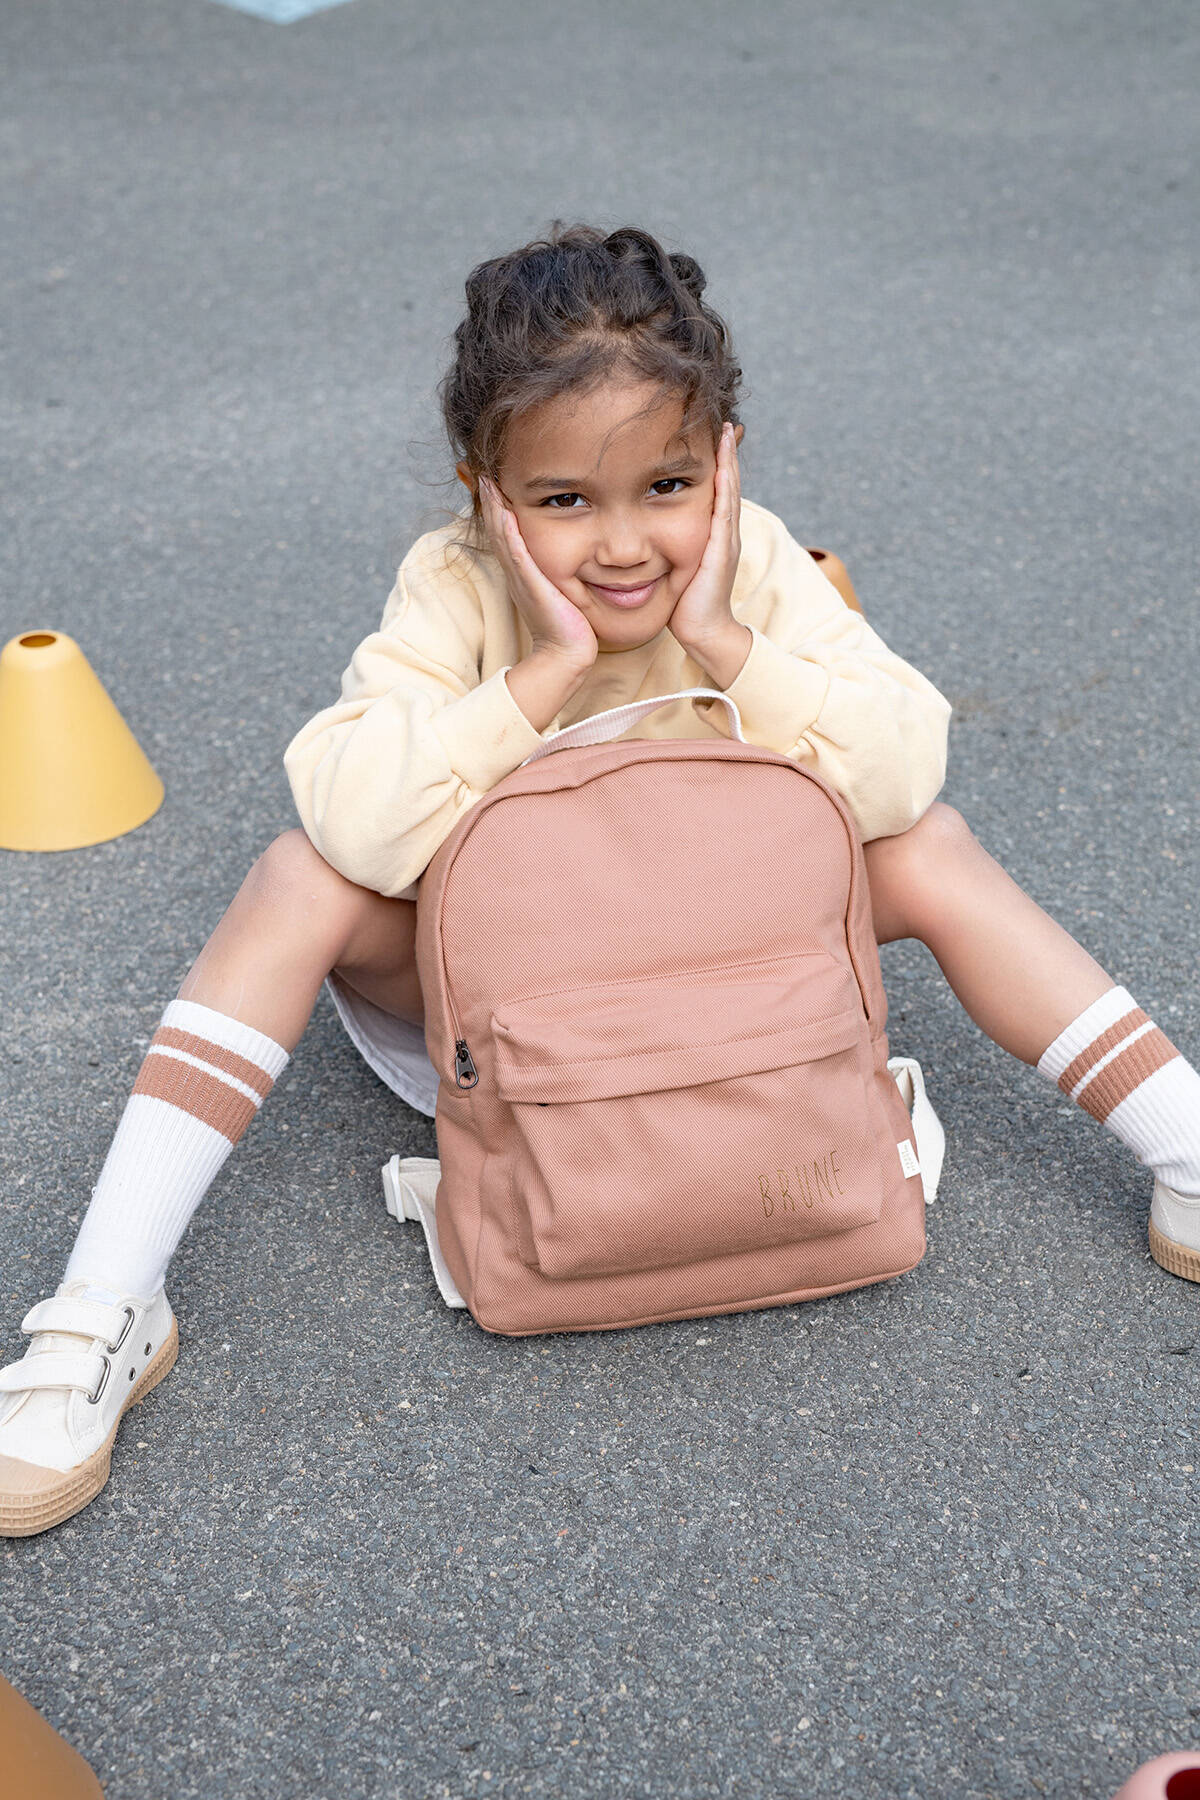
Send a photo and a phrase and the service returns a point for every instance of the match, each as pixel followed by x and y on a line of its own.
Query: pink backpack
pixel 653 999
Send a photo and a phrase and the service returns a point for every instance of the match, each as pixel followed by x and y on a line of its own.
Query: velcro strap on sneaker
pixel 54 1369
pixel 68 1312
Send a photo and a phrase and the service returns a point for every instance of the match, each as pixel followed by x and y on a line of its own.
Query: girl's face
pixel 615 506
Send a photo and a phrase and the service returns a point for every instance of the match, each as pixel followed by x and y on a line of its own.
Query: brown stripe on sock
pixel 205 1096
pixel 1127 1071
pixel 1108 1040
pixel 228 1061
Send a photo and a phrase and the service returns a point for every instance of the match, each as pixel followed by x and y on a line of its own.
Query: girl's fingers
pixel 496 515
pixel 735 501
pixel 519 554
pixel 729 480
pixel 720 484
pixel 735 482
pixel 729 459
pixel 506 530
pixel 512 537
pixel 491 497
pixel 505 517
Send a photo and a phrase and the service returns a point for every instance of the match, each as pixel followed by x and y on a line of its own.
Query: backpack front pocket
pixel 666 1120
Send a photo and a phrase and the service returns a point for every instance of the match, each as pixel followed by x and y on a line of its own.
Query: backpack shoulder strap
pixel 927 1127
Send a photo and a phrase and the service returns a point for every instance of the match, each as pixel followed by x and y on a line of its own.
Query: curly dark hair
pixel 567 312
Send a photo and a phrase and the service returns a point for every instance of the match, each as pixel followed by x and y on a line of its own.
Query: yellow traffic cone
pixel 71 771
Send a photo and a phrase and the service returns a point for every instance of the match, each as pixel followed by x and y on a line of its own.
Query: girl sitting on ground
pixel 606 556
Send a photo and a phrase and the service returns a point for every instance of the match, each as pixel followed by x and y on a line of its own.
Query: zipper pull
pixel 463 1066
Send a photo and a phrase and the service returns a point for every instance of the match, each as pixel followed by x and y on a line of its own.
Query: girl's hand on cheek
pixel 703 612
pixel 555 623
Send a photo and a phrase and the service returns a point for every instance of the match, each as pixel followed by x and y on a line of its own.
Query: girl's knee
pixel 368 939
pixel 908 872
pixel 939 834
pixel 291 874
pixel 940 831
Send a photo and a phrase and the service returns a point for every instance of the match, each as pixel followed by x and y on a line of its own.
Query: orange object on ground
pixel 1175 1776
pixel 834 569
pixel 71 771
pixel 35 1763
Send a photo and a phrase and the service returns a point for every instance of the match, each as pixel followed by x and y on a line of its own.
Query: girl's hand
pixel 703 613
pixel 555 623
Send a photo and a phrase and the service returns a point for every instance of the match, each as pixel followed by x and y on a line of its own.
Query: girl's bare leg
pixel 1020 976
pixel 293 919
pixel 211 1064
pixel 206 1071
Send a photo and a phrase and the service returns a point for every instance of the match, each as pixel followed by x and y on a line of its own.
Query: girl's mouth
pixel 626 597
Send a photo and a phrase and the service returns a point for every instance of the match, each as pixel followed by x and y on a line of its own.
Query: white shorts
pixel 393 1048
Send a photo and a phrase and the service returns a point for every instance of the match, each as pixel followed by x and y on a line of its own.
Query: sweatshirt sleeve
pixel 821 686
pixel 381 777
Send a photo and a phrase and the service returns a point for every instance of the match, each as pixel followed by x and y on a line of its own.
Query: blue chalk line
pixel 282 12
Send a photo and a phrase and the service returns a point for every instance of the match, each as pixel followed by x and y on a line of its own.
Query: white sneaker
pixel 1175 1231
pixel 60 1405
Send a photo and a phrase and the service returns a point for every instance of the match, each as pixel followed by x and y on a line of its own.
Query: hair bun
pixel 689 272
pixel 632 245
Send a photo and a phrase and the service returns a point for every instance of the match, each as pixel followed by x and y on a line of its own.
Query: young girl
pixel 606 556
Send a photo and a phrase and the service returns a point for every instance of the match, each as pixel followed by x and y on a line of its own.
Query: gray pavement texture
pixel 935 1538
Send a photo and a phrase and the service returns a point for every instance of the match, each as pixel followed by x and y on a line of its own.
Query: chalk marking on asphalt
pixel 281 12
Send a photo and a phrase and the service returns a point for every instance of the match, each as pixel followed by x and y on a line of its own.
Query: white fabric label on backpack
pixel 908 1158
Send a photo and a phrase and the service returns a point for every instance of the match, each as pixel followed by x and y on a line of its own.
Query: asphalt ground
pixel 933 1538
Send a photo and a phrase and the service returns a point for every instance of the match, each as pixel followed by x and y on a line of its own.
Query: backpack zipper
pixel 462 1060
pixel 466 1075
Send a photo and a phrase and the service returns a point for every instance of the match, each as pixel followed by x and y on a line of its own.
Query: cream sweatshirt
pixel 426 723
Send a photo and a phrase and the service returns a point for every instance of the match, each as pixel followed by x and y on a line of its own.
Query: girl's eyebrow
pixel 683 465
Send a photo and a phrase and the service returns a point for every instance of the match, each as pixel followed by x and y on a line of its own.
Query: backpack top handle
pixel 602 727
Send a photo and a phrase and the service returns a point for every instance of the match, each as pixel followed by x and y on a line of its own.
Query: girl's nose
pixel 622 543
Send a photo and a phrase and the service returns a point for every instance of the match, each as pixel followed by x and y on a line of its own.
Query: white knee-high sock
pixel 1116 1063
pixel 203 1078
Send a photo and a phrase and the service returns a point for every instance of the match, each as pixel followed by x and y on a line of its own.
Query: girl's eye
pixel 670 484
